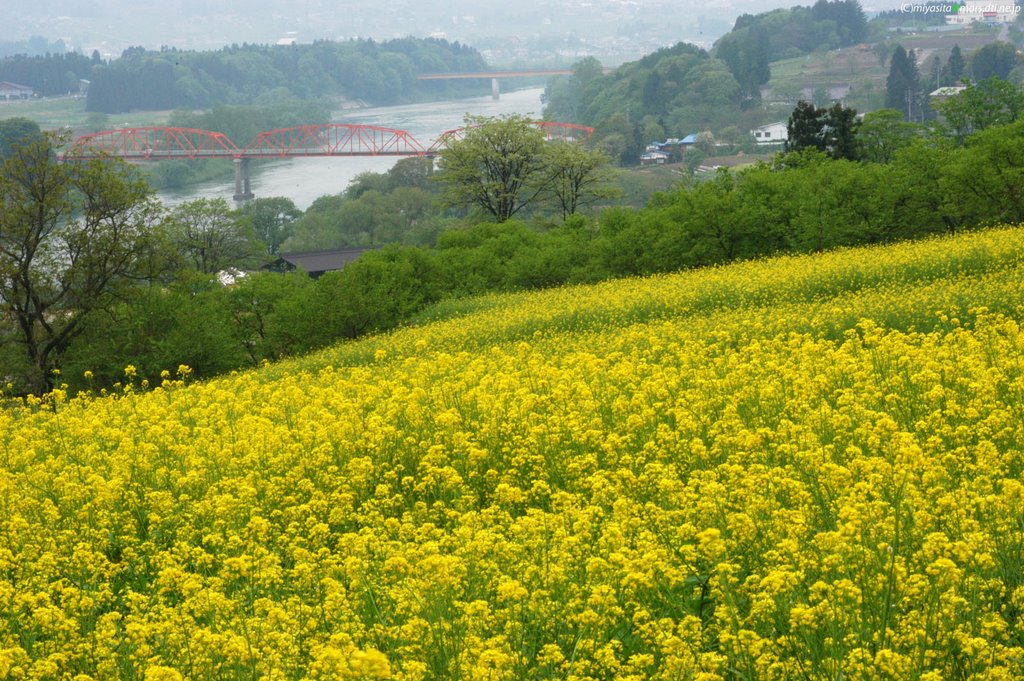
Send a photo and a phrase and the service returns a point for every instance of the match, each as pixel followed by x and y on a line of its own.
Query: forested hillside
pixel 382 73
pixel 676 88
pixel 684 89
pixel 757 40
pixel 51 75
pixel 379 73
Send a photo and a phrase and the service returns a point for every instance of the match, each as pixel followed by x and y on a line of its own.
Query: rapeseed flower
pixel 805 466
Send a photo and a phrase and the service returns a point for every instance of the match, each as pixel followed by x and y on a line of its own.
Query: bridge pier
pixel 495 90
pixel 243 183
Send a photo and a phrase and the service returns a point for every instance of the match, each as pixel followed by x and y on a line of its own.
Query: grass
pixel 53 113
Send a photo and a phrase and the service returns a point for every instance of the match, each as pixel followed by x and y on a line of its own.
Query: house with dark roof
pixel 316 263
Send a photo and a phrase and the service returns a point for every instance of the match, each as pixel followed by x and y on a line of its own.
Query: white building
pixel 653 157
pixel 988 11
pixel 10 91
pixel 944 93
pixel 773 133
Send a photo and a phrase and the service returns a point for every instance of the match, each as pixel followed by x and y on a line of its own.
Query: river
pixel 303 180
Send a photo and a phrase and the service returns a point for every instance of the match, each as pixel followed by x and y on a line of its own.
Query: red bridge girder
pixel 335 139
pixel 553 130
pixel 564 131
pixel 154 142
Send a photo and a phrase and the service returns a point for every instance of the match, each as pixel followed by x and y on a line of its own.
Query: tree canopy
pixel 995 59
pixel 883 133
pixel 499 167
pixel 992 101
pixel 504 165
pixel 956 65
pixel 383 73
pixel 272 220
pixel 72 236
pixel 51 74
pixel 903 86
pixel 15 132
pixel 210 237
pixel 832 130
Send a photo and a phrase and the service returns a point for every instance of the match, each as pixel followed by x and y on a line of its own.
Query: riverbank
pixel 303 180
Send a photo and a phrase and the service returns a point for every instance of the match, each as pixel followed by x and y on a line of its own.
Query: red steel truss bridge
pixel 331 139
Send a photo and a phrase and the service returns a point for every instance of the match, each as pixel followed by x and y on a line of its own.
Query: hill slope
pixel 857 76
pixel 774 469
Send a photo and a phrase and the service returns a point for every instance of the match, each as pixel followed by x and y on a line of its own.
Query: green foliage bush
pixel 804 202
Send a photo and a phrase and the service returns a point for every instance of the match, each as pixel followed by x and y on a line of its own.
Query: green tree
pixel 620 140
pixel 709 92
pixel 990 102
pixel 988 175
pixel 160 327
pixel 902 86
pixel 317 228
pixel 376 292
pixel 263 306
pixel 499 166
pixel 72 237
pixel 211 237
pixel 936 77
pixel 804 127
pixel 706 142
pixel 693 158
pixel 928 196
pixel 840 132
pixel 995 59
pixel 577 176
pixel 848 16
pixel 15 132
pixel 367 181
pixel 715 224
pixel 746 54
pixel 412 172
pixel 272 220
pixel 823 216
pixel 564 96
pixel 883 133
pixel 956 65
pixel 883 51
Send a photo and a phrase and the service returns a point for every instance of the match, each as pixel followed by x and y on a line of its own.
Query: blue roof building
pixel 687 141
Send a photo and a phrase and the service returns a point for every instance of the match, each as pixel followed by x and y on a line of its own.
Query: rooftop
pixel 315 263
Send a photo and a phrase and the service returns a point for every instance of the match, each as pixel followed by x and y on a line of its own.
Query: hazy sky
pixel 586 25
pixel 112 25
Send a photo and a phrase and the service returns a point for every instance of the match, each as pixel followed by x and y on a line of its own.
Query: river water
pixel 303 180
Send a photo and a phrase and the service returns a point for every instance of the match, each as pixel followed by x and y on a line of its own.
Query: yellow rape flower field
pixel 796 468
